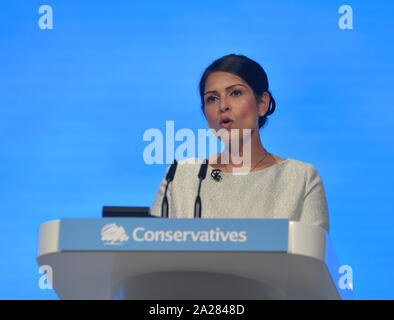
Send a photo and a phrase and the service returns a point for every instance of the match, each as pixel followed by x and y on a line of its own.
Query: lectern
pixel 143 258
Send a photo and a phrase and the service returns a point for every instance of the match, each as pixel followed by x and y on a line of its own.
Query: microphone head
pixel 203 170
pixel 171 173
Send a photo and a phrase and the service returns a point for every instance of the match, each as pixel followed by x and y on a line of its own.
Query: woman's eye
pixel 234 93
pixel 210 99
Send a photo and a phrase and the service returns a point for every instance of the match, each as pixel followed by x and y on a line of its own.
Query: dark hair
pixel 250 71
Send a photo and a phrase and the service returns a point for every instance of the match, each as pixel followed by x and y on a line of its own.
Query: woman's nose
pixel 223 106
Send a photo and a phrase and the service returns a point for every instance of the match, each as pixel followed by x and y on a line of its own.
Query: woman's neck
pixel 245 156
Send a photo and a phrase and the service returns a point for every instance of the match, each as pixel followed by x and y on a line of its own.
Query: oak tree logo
pixel 111 234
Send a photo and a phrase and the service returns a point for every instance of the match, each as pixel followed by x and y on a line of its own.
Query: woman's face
pixel 228 97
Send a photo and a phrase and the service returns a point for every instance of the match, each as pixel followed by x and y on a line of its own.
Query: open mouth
pixel 226 123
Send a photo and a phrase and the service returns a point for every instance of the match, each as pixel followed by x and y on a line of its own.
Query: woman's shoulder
pixel 303 170
pixel 301 166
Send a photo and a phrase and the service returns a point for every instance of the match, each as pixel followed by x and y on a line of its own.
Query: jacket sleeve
pixel 315 209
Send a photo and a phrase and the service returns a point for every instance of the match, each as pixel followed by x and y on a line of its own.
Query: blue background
pixel 75 102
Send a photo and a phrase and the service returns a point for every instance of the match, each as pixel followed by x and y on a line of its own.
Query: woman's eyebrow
pixel 214 91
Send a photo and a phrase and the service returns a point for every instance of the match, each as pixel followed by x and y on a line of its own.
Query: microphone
pixel 169 177
pixel 216 175
pixel 201 176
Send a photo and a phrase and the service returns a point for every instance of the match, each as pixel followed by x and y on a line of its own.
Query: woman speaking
pixel 235 97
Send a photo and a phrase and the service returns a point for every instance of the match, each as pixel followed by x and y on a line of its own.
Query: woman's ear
pixel 263 104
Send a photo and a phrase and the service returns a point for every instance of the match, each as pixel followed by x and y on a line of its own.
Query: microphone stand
pixel 169 177
pixel 201 176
